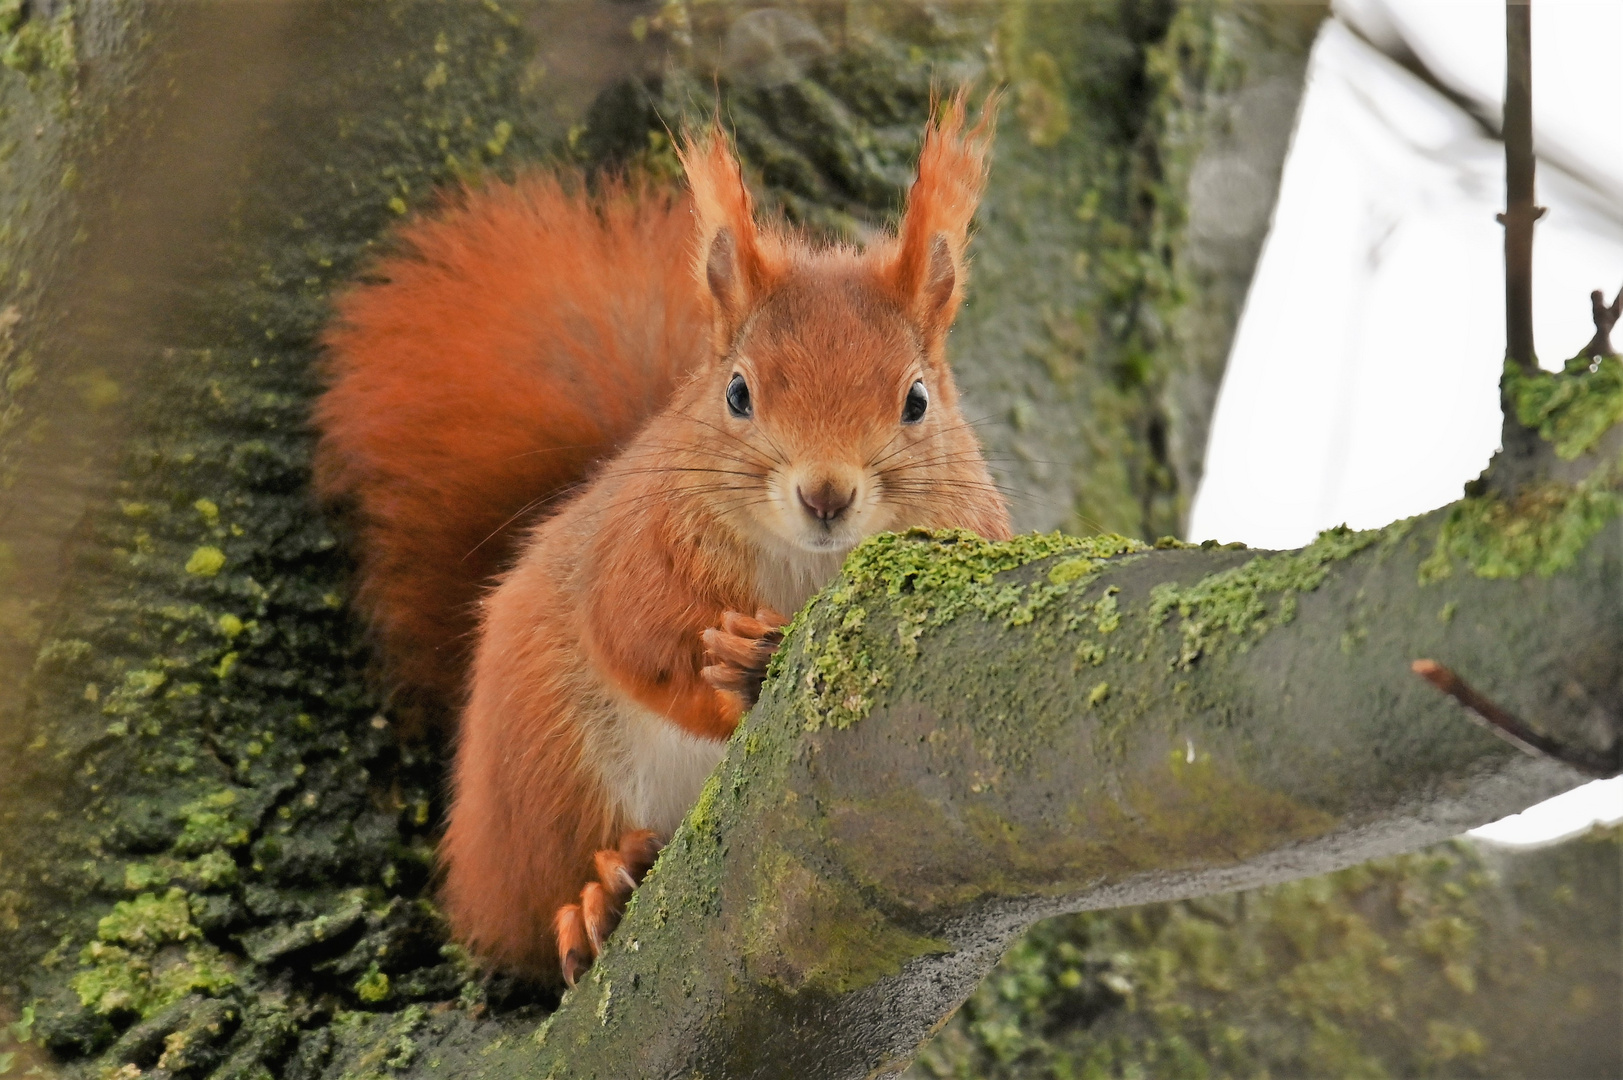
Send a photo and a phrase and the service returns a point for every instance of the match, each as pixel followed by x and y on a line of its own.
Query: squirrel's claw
pixel 738 651
pixel 638 850
pixel 600 913
pixel 583 927
pixel 767 624
pixel 574 947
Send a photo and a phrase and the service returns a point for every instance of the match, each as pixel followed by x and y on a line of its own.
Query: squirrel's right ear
pixel 735 263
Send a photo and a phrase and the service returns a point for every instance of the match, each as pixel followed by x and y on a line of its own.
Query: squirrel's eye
pixel 738 397
pixel 918 399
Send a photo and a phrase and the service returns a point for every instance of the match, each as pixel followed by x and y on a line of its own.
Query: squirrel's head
pixel 828 404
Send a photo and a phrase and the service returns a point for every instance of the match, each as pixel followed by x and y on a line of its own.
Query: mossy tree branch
pixel 963 738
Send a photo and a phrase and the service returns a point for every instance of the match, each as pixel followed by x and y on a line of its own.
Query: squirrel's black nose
pixel 825 502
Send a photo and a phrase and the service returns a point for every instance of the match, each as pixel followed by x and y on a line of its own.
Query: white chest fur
pixel 653 769
pixel 786 578
pixel 650 767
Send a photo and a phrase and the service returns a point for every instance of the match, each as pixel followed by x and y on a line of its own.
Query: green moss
pixel 137 964
pixel 927 579
pixel 205 561
pixel 841 673
pixel 1355 974
pixel 1540 531
pixel 806 932
pixel 61 653
pixel 214 870
pixel 1202 806
pixel 118 980
pixel 148 920
pixel 1067 571
pixel 1181 814
pixel 1446 1042
pixel 211 822
pixel 39 43
pixel 1238 605
pixel 1571 409
pixel 936 576
pixel 373 986
pixel 702 820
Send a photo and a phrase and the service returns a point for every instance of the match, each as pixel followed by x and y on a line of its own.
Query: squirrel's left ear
pixel 927 272
pixel 734 261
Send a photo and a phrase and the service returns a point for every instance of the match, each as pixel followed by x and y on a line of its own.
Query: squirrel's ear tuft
pixel 927 273
pixel 734 263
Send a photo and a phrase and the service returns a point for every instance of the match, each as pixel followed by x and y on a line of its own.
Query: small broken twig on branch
pixel 1520 213
pixel 1606 316
pixel 1507 727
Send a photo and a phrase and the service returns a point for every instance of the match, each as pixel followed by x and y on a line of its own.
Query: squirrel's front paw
pixel 738 650
pixel 582 928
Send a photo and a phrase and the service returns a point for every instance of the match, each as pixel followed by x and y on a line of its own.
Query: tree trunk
pixel 216 853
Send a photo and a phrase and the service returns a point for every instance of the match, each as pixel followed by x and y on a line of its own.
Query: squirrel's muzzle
pixel 825 501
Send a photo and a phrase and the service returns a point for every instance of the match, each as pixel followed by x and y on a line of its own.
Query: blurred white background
pixel 1363 382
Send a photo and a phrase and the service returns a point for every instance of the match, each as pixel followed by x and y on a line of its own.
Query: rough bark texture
pixel 1463 961
pixel 215 852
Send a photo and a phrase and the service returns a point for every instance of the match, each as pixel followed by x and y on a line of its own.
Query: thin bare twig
pixel 1520 213
pixel 1606 316
pixel 1510 729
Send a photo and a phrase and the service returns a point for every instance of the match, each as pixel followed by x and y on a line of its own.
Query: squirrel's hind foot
pixel 583 927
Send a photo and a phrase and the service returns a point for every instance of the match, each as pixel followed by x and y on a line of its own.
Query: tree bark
pixel 1466 959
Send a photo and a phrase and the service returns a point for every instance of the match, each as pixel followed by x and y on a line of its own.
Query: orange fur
pixel 518 337
pixel 952 176
pixel 593 710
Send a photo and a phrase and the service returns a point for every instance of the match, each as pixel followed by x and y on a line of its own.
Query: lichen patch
pixel 1237 605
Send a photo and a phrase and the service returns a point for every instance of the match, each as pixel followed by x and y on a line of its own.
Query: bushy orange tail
pixel 519 336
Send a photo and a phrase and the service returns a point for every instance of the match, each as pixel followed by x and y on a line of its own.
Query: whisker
pixel 520 512
pixel 561 449
pixel 690 469
pixel 622 502
pixel 656 449
pixel 694 489
pixel 876 462
pixel 932 436
pixel 925 489
pixel 779 459
pixel 939 454
pixel 930 463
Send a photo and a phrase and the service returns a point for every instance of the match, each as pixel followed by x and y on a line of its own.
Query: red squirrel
pixel 595 444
